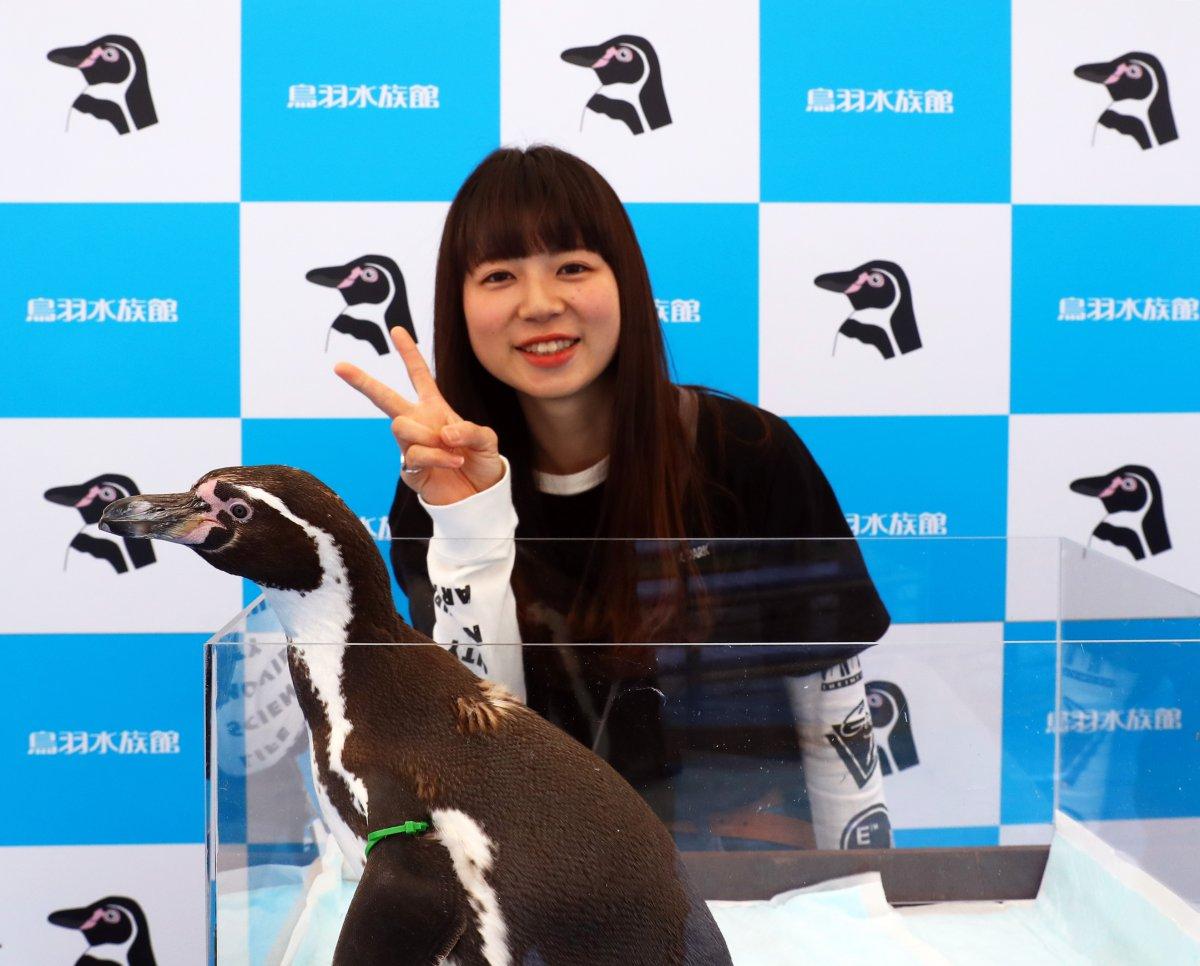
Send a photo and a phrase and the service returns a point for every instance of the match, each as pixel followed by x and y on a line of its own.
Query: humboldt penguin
pixel 536 850
pixel 1133 509
pixel 631 87
pixel 1140 105
pixel 118 86
pixel 376 300
pixel 882 301
pixel 114 922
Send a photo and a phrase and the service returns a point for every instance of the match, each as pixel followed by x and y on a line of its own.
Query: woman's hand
pixel 446 458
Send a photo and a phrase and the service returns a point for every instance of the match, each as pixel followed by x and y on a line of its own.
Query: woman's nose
pixel 539 301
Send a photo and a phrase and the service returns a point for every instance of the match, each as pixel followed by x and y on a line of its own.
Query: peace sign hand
pixel 446 458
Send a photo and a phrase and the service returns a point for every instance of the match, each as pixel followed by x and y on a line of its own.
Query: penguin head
pixel 113 919
pixel 873 285
pixel 111 59
pixel 1132 76
pixel 624 59
pixel 92 497
pixel 369 278
pixel 264 523
pixel 1127 489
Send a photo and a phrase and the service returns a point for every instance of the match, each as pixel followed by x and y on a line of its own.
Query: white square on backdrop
pixel 191 54
pixel 291 333
pixel 820 355
pixel 1061 154
pixel 685 74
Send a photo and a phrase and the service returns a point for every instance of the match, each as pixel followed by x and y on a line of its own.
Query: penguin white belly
pixel 472 853
pixel 323 663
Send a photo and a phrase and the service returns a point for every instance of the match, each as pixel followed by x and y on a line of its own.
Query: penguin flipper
pixel 409 908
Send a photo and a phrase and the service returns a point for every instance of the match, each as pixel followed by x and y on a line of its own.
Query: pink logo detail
pixel 349 279
pixel 92 58
pixel 1116 74
pixel 608 55
pixel 858 283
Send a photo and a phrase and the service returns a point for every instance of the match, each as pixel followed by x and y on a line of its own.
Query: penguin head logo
pixel 893 726
pixel 1140 103
pixel 1134 517
pixel 376 299
pixel 253 522
pixel 111 921
pixel 90 499
pixel 631 87
pixel 118 85
pixel 882 313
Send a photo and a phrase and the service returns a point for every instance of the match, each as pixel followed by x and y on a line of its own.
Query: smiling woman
pixel 553 415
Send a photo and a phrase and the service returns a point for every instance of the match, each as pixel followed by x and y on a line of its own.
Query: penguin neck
pixel 372 311
pixel 1139 109
pixel 879 317
pixel 115 92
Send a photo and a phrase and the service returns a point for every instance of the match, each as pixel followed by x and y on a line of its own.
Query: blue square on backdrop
pixel 1027 745
pixel 855 105
pixel 371 102
pixel 116 310
pixel 945 475
pixel 703 263
pixel 105 738
pixel 356 458
pixel 1106 309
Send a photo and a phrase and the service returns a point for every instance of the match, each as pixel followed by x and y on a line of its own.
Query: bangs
pixel 523 204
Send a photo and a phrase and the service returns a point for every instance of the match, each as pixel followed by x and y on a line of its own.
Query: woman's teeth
pixel 548 348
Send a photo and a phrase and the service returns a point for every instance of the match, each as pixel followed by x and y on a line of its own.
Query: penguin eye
pixel 875 280
pixel 107 493
pixel 1129 484
pixel 111 54
pixel 875 700
pixel 370 275
pixel 111 916
pixel 239 510
pixel 1134 71
pixel 624 55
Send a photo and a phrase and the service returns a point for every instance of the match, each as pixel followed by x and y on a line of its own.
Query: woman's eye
pixel 574 268
pixel 499 276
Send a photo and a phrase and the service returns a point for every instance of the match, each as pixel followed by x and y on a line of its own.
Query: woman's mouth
pixel 547 353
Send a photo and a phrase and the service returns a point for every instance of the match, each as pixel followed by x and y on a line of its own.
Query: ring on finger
pixel 411 470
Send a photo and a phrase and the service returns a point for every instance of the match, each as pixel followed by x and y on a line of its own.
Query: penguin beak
pixel 1092 485
pixel 174 517
pixel 66 495
pixel 585 56
pixel 70 56
pixel 69 918
pixel 1096 73
pixel 837 281
pixel 331 277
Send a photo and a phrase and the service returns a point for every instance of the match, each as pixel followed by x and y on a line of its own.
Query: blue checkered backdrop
pixel 956 245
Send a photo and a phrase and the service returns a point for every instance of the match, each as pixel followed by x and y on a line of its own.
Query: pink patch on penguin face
pixel 608 55
pixel 858 283
pixel 350 279
pixel 95 918
pixel 236 507
pixel 102 491
pixel 1116 74
pixel 1126 483
pixel 91 58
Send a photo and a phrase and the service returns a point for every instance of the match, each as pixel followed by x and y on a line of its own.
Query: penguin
pixel 90 499
pixel 1133 509
pixel 1141 103
pixel 118 86
pixel 114 921
pixel 883 314
pixel 892 724
pixel 536 851
pixel 376 299
pixel 631 88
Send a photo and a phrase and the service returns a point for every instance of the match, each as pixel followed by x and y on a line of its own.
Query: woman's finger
pixel 429 457
pixel 467 435
pixel 385 399
pixel 422 379
pixel 408 431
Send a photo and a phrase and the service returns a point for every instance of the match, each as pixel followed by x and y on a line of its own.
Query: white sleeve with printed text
pixel 470 565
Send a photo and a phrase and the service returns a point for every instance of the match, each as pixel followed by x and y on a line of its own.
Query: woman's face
pixel 546 324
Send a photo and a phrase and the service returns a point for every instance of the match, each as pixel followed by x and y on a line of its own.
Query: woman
pixel 553 415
